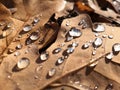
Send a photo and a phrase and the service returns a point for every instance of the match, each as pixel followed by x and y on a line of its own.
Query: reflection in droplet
pixel 44 56
pixel 75 32
pixel 34 36
pixel 116 47
pixel 98 42
pixel 23 63
pixel 27 28
pixel 98 28
pixel 51 72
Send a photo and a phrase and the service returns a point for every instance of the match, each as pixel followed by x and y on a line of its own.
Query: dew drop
pixel 27 28
pixel 34 36
pixel 60 60
pixel 75 32
pixel 44 56
pixel 70 50
pixel 69 38
pixel 19 46
pixel 57 50
pixel 86 45
pixel 98 28
pixel 52 72
pixel 39 68
pixel 116 47
pixel 110 36
pixel 94 52
pixel 98 42
pixel 17 53
pixel 74 44
pixel 109 56
pixel 35 21
pixel 23 63
pixel 93 64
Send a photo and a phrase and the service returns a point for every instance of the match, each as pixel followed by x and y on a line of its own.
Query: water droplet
pixel 93 64
pixel 34 36
pixel 44 56
pixel 9 76
pixel 110 36
pixel 6 33
pixel 96 34
pixel 67 23
pixel 17 53
pixel 23 63
pixel 109 56
pixel 109 87
pixel 19 46
pixel 62 44
pixel 116 47
pixel 60 60
pixel 10 51
pixel 57 50
pixel 98 28
pixel 39 68
pixel 74 44
pixel 96 87
pixel 52 72
pixel 86 45
pixel 104 36
pixel 85 25
pixel 81 22
pixel 69 38
pixel 35 21
pixel 29 41
pixel 98 42
pixel 70 50
pixel 75 32
pixel 27 28
pixel 94 52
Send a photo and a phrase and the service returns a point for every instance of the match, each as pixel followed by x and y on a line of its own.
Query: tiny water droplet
pixel 34 36
pixel 19 46
pixel 69 38
pixel 39 68
pixel 70 50
pixel 57 50
pixel 52 72
pixel 75 32
pixel 86 45
pixel 104 36
pixel 94 52
pixel 110 36
pixel 98 27
pixel 27 28
pixel 44 56
pixel 17 53
pixel 74 44
pixel 109 56
pixel 60 60
pixel 23 63
pixel 116 47
pixel 97 42
pixel 93 64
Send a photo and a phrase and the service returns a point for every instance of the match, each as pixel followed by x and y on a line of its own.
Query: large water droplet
pixel 27 28
pixel 116 47
pixel 75 32
pixel 98 28
pixel 98 42
pixel 34 36
pixel 44 56
pixel 51 72
pixel 23 63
